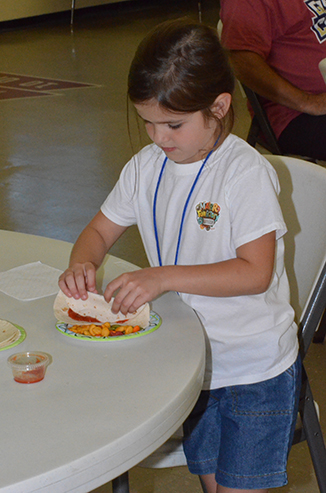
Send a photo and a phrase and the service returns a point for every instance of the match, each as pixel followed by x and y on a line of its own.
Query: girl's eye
pixel 176 126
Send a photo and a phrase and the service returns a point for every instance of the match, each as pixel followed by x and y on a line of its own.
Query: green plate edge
pixel 21 339
pixel 154 323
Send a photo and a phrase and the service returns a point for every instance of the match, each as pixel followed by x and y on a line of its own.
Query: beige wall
pixel 18 9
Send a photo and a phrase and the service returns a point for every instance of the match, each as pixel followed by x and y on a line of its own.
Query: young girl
pixel 206 207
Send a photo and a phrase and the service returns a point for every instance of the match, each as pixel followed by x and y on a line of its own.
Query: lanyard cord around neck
pixel 184 209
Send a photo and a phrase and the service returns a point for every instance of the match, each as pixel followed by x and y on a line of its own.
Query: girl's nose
pixel 160 136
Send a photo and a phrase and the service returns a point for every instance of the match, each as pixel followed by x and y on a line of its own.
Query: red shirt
pixel 290 35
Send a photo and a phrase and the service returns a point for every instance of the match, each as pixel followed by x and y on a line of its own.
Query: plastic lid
pixel 28 360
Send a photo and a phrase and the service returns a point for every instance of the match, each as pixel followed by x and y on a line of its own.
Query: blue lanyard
pixel 184 209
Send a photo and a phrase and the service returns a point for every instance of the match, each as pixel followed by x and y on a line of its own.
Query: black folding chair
pixel 320 335
pixel 260 131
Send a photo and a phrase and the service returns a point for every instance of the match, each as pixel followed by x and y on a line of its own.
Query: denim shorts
pixel 243 434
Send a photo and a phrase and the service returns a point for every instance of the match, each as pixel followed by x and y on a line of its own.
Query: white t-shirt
pixel 250 338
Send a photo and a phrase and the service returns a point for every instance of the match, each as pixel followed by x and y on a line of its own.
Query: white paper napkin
pixel 30 281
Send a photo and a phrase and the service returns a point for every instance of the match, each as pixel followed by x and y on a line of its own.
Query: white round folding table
pixel 103 406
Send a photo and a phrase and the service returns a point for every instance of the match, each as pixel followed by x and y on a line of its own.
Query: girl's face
pixel 184 137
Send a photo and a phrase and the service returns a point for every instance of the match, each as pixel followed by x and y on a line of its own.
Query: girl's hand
pixel 135 289
pixel 78 279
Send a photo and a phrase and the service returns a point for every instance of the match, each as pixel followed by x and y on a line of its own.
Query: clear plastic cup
pixel 29 367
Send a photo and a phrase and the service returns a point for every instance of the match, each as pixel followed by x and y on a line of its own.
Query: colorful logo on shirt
pixel 207 214
pixel 318 7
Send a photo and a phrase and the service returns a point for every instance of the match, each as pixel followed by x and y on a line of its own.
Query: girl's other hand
pixel 134 289
pixel 78 279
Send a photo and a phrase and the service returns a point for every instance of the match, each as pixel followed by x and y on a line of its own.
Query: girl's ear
pixel 221 105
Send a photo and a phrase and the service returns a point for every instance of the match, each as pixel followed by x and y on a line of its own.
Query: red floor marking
pixel 13 86
pixel 17 93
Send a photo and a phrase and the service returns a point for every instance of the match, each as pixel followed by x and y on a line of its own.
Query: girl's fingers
pixel 90 277
pixel 134 289
pixel 125 296
pixel 64 288
pixel 77 280
pixel 67 283
pixel 129 297
pixel 127 304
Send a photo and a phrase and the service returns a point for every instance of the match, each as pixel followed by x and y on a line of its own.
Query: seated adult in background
pixel 275 48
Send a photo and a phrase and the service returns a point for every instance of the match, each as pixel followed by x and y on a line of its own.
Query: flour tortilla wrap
pixel 8 333
pixel 97 309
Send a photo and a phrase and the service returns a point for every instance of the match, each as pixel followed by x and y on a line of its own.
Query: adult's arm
pixel 251 69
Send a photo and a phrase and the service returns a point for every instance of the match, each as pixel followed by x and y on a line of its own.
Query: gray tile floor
pixel 60 155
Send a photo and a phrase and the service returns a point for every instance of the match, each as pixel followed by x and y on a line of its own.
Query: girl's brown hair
pixel 181 65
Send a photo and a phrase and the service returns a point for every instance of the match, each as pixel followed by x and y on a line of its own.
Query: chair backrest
pixel 260 131
pixel 303 202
